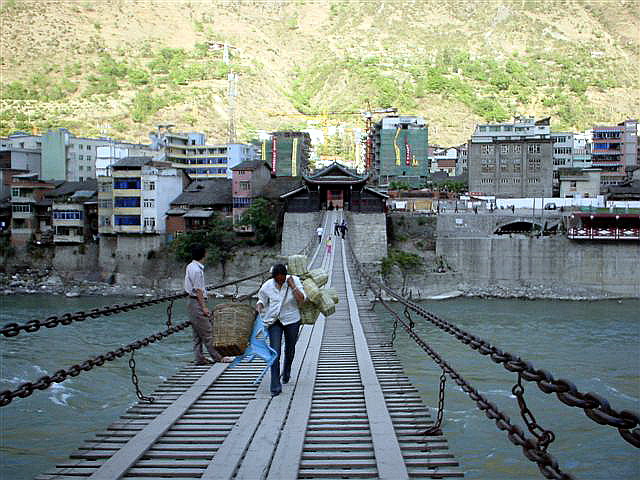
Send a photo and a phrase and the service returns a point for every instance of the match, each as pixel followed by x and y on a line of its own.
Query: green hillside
pixel 124 66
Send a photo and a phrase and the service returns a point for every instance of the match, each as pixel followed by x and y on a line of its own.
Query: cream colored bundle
pixel 297 264
pixel 333 294
pixel 318 276
pixel 309 313
pixel 326 304
pixel 311 290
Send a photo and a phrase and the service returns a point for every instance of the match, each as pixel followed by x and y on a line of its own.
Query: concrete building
pixel 579 183
pixel 190 152
pixel 60 155
pixel 199 203
pixel 615 150
pixel 287 153
pixel 512 160
pixel 443 159
pixel 135 198
pixel 400 150
pixel 74 212
pixel 30 213
pixel 249 178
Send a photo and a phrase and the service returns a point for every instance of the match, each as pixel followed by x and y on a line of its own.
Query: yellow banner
pixel 294 158
pixel 396 148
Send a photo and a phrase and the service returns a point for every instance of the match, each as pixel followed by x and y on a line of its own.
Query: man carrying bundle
pixel 199 313
pixel 279 300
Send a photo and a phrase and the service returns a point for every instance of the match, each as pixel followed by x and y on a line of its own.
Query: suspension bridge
pixel 348 411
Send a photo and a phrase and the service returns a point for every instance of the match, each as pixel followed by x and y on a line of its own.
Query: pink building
pixel 248 181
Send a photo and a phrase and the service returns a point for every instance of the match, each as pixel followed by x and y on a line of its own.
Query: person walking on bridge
pixel 343 228
pixel 197 309
pixel 319 232
pixel 279 300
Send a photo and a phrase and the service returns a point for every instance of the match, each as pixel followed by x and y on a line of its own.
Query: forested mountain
pixel 124 66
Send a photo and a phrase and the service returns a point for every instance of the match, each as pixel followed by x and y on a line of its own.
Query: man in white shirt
pixel 319 232
pixel 279 301
pixel 199 313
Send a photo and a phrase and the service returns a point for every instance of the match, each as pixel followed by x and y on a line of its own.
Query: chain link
pixel 14 329
pixel 60 376
pixel 547 464
pixel 545 437
pixel 595 407
pixel 169 313
pixel 134 380
pixel 436 428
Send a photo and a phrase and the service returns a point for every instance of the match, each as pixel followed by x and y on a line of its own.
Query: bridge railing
pixel 594 406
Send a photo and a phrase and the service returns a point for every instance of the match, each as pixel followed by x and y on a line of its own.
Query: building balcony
pixel 68 238
pixel 604 233
pixel 126 192
pixel 127 229
pixel 67 222
pixel 21 231
pixel 22 199
pixel 24 215
pixel 127 210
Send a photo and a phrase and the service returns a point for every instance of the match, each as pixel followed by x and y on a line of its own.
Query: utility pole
pixel 232 88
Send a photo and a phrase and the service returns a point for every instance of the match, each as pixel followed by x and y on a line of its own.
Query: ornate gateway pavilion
pixel 334 187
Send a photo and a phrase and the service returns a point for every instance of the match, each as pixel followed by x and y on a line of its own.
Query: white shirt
pixel 271 297
pixel 319 231
pixel 194 279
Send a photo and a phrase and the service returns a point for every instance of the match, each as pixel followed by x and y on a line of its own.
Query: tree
pixel 260 216
pixel 407 263
pixel 218 239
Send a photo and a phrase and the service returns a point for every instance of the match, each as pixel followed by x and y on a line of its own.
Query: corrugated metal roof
pixel 206 192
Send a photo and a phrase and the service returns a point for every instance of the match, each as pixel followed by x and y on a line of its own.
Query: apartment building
pixel 30 212
pixel 135 198
pixel 615 151
pixel 190 152
pixel 287 153
pixel 443 159
pixel 74 212
pixel 249 178
pixel 512 160
pixel 400 150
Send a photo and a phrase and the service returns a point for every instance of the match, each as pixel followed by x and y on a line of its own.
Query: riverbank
pixel 49 282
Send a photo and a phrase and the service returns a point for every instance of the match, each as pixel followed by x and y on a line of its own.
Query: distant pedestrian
pixel 319 232
pixel 336 228
pixel 343 229
pixel 475 209
pixel 329 245
pixel 513 209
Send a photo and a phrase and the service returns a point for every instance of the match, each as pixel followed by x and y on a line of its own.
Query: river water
pixel 593 344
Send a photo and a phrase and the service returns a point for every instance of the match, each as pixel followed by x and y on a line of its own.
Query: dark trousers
pixel 201 325
pixel 275 340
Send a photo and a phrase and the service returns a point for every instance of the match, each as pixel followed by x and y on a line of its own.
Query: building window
pixel 88 147
pixel 80 146
pixel 149 203
pixel 241 202
pixel 486 149
pixel 148 185
pixel 517 148
pixel 80 157
pixel 534 148
pixel 127 219
pixel 504 149
pixel 67 215
pixel 21 208
pixel 149 222
pixel 105 187
pixel 127 202
pixel 105 221
pixel 126 183
pixel 105 204
pixel 245 186
pixel 15 192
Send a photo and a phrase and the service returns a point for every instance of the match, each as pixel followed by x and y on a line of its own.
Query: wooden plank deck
pixel 348 412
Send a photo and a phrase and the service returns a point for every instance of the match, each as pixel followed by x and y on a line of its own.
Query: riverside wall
pixel 368 230
pixel 469 248
pixel 298 230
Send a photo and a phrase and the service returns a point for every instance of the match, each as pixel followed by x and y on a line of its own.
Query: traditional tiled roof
pixel 205 193
pixel 250 165
pixel 279 186
pixel 66 188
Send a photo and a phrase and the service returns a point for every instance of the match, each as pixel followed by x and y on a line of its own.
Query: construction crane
pixel 367 115
pixel 232 89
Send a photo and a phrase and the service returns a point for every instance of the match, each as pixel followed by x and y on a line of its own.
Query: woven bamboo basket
pixel 232 324
pixel 309 313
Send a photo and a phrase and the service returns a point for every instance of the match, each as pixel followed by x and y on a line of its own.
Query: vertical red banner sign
pixel 407 150
pixel 274 154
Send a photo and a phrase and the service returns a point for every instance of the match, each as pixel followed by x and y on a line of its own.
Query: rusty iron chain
pixel 13 329
pixel 134 380
pixel 169 313
pixel 544 437
pixel 60 376
pixel 547 464
pixel 596 407
pixel 436 428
